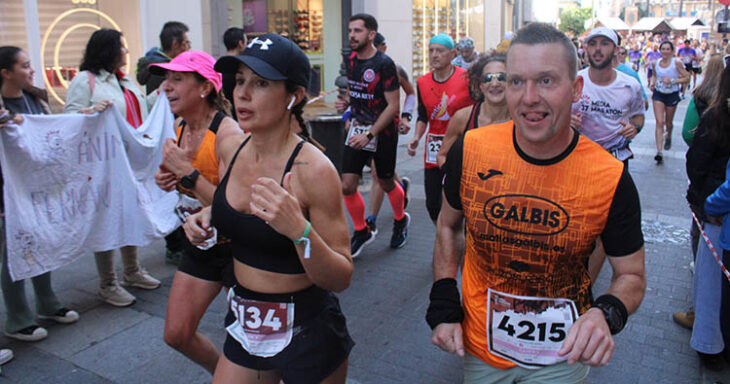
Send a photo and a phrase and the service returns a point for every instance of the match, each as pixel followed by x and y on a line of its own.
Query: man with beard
pixel 441 93
pixel 611 109
pixel 534 195
pixel 373 92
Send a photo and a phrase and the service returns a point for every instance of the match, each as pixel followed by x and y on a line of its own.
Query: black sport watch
pixel 188 181
pixel 614 311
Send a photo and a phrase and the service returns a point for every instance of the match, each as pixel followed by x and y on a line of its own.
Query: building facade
pixel 55 32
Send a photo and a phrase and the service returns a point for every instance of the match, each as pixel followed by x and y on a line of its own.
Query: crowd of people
pixel 511 136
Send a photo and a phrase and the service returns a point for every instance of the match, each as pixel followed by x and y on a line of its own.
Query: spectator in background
pixel 174 41
pixel 101 81
pixel 706 165
pixel 19 96
pixel 235 41
pixel 703 95
pixel 467 55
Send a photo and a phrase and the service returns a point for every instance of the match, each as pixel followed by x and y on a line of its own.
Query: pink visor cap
pixel 191 61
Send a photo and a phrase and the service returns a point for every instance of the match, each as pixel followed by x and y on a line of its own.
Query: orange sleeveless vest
pixel 530 228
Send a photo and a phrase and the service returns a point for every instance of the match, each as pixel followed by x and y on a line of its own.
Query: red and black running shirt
pixel 439 100
pixel 368 81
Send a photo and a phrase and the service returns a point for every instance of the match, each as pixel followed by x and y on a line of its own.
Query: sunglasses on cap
pixel 488 77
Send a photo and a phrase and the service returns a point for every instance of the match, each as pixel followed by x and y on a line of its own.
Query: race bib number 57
pixel 529 331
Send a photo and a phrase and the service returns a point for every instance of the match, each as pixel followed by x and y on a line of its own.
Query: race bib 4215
pixel 529 331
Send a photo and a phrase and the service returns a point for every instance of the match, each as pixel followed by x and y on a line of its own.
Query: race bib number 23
pixel 529 331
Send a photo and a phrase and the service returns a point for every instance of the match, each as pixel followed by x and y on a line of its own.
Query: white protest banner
pixel 75 184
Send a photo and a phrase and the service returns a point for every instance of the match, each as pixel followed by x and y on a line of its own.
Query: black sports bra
pixel 253 242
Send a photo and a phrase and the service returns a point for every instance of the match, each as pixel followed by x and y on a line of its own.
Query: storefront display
pixel 301 20
pixel 457 18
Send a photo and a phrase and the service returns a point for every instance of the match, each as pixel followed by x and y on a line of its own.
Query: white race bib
pixel 433 146
pixel 528 331
pixel 262 328
pixel 357 129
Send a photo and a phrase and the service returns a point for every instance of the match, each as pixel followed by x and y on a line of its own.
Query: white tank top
pixel 670 72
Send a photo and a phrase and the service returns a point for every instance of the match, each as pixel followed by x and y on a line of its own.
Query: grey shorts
pixel 479 372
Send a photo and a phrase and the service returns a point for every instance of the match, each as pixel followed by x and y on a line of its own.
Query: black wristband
pixel 614 310
pixel 445 304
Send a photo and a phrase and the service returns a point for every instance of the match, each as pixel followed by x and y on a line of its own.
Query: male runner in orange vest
pixel 535 195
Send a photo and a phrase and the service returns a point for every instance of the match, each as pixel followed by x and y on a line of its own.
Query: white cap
pixel 602 31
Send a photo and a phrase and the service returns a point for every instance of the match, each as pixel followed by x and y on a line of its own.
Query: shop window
pixel 457 18
pixel 299 20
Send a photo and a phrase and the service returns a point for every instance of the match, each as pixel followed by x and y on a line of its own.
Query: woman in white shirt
pixel 102 82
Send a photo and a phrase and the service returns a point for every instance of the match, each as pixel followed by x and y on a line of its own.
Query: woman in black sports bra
pixel 487 86
pixel 279 202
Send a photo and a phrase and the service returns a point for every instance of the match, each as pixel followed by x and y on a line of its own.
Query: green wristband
pixel 305 235
pixel 305 240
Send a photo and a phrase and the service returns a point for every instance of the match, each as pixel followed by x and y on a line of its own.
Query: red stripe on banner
pixel 709 245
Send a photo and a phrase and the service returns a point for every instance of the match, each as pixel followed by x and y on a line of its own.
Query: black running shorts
pixel 353 160
pixel 215 264
pixel 669 99
pixel 319 345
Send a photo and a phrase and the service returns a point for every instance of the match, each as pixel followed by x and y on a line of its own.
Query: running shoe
pixel 63 316
pixel 115 295
pixel 370 221
pixel 140 279
pixel 667 143
pixel 400 232
pixel 359 240
pixel 5 356
pixel 32 333
pixel 405 183
pixel 659 159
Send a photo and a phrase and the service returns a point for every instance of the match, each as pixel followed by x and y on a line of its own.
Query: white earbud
pixel 291 103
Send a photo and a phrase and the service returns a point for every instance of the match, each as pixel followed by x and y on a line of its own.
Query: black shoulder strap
pixel 235 155
pixel 291 160
pixel 182 128
pixel 213 127
pixel 474 109
pixel 217 119
pixel 477 109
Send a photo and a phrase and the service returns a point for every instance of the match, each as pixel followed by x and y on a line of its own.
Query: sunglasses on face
pixel 488 77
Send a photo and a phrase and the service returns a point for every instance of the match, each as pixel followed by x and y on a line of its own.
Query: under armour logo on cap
pixel 264 45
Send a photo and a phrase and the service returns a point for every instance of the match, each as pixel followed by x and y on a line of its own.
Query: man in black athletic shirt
pixel 373 92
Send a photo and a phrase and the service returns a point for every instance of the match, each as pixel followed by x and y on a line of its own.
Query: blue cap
pixel 443 39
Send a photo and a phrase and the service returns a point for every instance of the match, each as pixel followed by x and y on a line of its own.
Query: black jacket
pixel 144 77
pixel 706 162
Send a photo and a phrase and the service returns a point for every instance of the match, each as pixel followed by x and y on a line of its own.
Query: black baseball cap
pixel 273 57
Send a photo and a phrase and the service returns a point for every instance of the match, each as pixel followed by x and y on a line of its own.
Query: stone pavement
pixel 385 305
